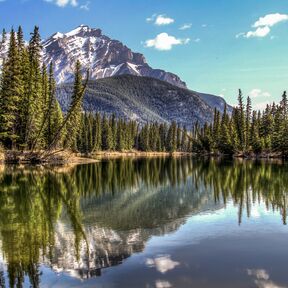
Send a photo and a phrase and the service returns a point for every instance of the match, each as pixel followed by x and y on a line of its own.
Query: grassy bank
pixel 67 157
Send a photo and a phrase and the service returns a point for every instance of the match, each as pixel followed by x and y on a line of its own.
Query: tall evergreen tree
pixel 74 123
pixel 35 108
pixel 107 139
pixel 248 122
pixel 11 91
pixel 97 133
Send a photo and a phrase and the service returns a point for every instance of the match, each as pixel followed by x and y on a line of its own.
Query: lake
pixel 161 222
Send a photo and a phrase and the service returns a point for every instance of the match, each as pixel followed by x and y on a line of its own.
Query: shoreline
pixel 68 157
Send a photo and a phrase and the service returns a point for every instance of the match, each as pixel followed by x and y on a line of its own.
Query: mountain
pixel 215 102
pixel 103 56
pixel 155 96
pixel 143 99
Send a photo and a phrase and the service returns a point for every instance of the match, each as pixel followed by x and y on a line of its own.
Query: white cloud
pixel 259 32
pixel 64 3
pixel 185 26
pixel 270 20
pixel 262 279
pixel 263 25
pixel 160 20
pixel 164 42
pixel 162 284
pixel 163 20
pixel 261 105
pixel 257 93
pixel 163 264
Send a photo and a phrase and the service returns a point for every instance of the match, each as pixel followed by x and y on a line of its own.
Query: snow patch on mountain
pixel 103 57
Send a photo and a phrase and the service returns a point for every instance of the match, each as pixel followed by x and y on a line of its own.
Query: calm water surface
pixel 145 223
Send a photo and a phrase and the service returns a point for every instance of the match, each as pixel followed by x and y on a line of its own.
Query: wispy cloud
pixel 63 3
pixel 85 6
pixel 257 93
pixel 165 42
pixel 262 279
pixel 185 26
pixel 160 20
pixel 262 27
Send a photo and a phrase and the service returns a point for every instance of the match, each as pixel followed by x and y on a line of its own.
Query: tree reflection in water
pixel 132 199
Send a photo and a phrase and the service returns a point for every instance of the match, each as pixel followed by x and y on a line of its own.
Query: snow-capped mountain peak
pixel 103 56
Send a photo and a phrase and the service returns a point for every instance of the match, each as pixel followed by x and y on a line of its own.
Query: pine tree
pixel 74 124
pixel 184 140
pixel 119 140
pixel 248 122
pixel 255 141
pixel 284 105
pixel 216 129
pixel 172 137
pixel 53 115
pixel 24 101
pixel 178 138
pixel 106 134
pixel 241 121
pixel 3 38
pixel 97 133
pixel 10 96
pixel 144 138
pixel 20 39
pixel 35 107
pixel 113 126
pixel 225 145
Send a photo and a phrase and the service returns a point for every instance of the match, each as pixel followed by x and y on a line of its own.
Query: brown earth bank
pixel 41 157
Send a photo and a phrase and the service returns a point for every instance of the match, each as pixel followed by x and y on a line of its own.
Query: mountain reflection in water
pixel 85 218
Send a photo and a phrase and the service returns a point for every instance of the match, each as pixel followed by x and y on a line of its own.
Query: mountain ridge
pixel 144 99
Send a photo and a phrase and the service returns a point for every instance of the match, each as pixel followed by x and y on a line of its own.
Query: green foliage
pixel 74 123
pixel 245 131
pixel 31 117
pixel 10 95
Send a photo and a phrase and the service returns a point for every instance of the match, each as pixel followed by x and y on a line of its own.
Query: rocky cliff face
pixel 103 56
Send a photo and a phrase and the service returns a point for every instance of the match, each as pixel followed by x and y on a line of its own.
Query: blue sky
pixel 216 46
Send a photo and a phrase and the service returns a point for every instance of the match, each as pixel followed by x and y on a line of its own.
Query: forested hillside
pixel 143 99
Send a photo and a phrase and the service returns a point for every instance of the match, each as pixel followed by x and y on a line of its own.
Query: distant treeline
pixel 102 133
pixel 246 131
pixel 31 118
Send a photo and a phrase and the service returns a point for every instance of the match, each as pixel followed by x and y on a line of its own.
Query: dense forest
pixel 246 131
pixel 31 118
